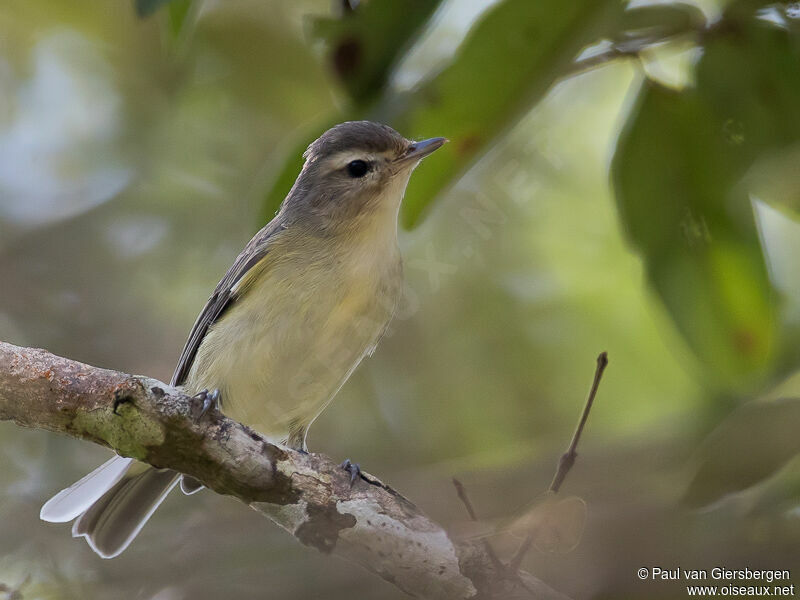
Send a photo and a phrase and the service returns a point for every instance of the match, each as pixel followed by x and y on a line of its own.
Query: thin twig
pixel 462 495
pixel 632 48
pixel 605 56
pixel 568 458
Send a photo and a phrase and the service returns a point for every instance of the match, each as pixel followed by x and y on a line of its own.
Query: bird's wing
pixel 224 295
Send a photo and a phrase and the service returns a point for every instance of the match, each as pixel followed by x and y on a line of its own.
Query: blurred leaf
pixel 677 173
pixel 776 180
pixel 504 66
pixel 555 523
pixel 507 63
pixel 178 10
pixel 752 444
pixel 364 44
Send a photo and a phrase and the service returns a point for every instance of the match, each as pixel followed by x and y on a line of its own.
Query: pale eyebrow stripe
pixel 343 158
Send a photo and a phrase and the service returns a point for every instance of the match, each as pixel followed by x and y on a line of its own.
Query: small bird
pixel 309 296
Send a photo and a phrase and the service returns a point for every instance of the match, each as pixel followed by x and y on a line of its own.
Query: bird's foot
pixel 353 468
pixel 204 401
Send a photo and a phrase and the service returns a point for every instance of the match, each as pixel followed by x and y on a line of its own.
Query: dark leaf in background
pixel 364 44
pixel 145 8
pixel 677 173
pixel 752 444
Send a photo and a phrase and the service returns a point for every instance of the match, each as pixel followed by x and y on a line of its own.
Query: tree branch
pixel 306 494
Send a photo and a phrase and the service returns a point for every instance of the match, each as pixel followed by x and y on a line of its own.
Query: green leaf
pixel 505 65
pixel 507 62
pixel 178 11
pixel 364 44
pixel 677 172
pixel 751 445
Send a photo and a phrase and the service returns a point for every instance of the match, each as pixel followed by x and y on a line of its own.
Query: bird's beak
pixel 419 150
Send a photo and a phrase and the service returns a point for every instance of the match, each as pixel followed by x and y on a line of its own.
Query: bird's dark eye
pixel 357 168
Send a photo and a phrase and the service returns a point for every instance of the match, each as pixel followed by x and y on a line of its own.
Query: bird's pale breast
pixel 286 346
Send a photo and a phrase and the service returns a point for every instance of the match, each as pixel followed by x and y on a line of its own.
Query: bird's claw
pixel 207 401
pixel 353 468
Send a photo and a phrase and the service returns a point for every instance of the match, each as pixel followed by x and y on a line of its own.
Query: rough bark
pixel 306 494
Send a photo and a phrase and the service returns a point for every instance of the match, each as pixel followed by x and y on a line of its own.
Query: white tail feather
pixel 69 503
pixel 124 512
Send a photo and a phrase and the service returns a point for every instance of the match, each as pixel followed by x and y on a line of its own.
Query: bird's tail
pixel 111 504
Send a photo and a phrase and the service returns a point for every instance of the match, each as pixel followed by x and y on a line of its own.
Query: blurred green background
pixel 620 177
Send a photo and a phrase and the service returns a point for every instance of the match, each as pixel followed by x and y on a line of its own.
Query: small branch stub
pixel 565 463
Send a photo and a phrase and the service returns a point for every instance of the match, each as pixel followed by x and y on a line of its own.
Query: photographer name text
pixel 716 574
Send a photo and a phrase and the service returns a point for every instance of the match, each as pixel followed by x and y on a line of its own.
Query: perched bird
pixel 309 296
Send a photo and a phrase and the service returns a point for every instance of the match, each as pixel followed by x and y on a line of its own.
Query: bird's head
pixel 353 171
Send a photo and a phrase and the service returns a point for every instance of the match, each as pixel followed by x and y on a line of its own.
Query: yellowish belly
pixel 283 350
